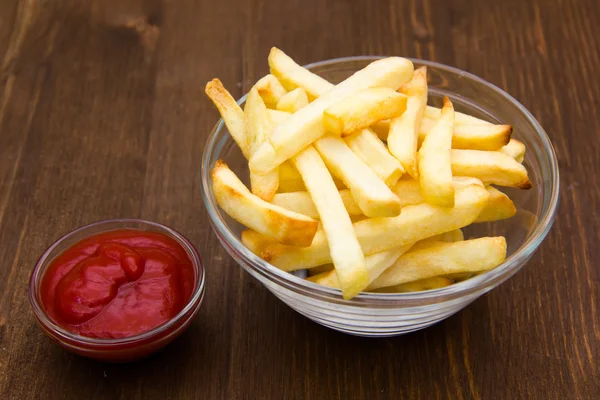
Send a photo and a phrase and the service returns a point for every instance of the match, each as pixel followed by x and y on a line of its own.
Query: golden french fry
pixel 362 109
pixel 436 282
pixel 306 125
pixel 500 206
pixel 435 171
pixel 367 146
pixel 292 75
pixel 417 86
pixel 293 101
pixel 472 136
pixel 403 135
pixel 461 118
pixel 256 242
pixel 515 149
pixel 380 234
pixel 444 258
pixel 277 116
pixel 376 264
pixel 372 195
pixel 345 251
pixel 231 112
pixel 302 203
pixel 270 89
pixel 270 220
pixel 258 126
pixel 491 167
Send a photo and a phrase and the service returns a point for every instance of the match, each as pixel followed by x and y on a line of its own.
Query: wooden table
pixel 103 115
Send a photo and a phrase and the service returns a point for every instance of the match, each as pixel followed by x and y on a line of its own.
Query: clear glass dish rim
pixel 479 282
pixel 65 335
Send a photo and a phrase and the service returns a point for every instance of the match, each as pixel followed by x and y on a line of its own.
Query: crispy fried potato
pixel 231 112
pixel 292 75
pixel 258 126
pixel 376 264
pixel 515 149
pixel 491 167
pixel 417 86
pixel 461 118
pixel 293 101
pixel 270 89
pixel 277 116
pixel 444 258
pixel 345 251
pixel 380 234
pixel 270 220
pixel 435 171
pixel 306 125
pixel 472 136
pixel 372 195
pixel 362 109
pixel 436 282
pixel 291 181
pixel 302 203
pixel 367 146
pixel 500 206
pixel 403 136
pixel 255 242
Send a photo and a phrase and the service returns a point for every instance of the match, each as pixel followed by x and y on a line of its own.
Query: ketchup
pixel 118 284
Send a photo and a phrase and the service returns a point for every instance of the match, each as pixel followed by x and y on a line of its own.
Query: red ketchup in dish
pixel 118 284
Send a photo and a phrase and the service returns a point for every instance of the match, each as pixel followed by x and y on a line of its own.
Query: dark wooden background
pixel 103 115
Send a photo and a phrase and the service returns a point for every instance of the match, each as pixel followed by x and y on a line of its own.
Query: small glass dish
pixel 121 349
pixel 383 314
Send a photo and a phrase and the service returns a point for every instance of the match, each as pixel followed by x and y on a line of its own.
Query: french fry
pixel 380 234
pixel 277 116
pixel 362 109
pixel 515 149
pixel 345 251
pixel 258 126
pixel 500 206
pixel 292 75
pixel 461 118
pixel 376 264
pixel 232 113
pixel 306 125
pixel 491 167
pixel 255 242
pixel 270 89
pixel 382 128
pixel 417 86
pixel 474 255
pixel 436 282
pixel 293 101
pixel 435 171
pixel 302 203
pixel 270 220
pixel 472 136
pixel 372 195
pixel 403 135
pixel 367 146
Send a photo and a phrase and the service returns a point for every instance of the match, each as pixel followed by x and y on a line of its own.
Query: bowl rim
pixel 64 335
pixel 479 282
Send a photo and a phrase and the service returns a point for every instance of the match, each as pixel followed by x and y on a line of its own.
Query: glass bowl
pixel 381 314
pixel 122 349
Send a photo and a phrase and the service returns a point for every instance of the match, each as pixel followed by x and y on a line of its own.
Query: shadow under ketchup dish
pixel 117 290
pixel 118 284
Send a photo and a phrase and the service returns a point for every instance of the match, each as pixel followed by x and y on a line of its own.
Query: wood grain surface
pixel 103 115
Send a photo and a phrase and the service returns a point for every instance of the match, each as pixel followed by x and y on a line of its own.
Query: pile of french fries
pixel 362 183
